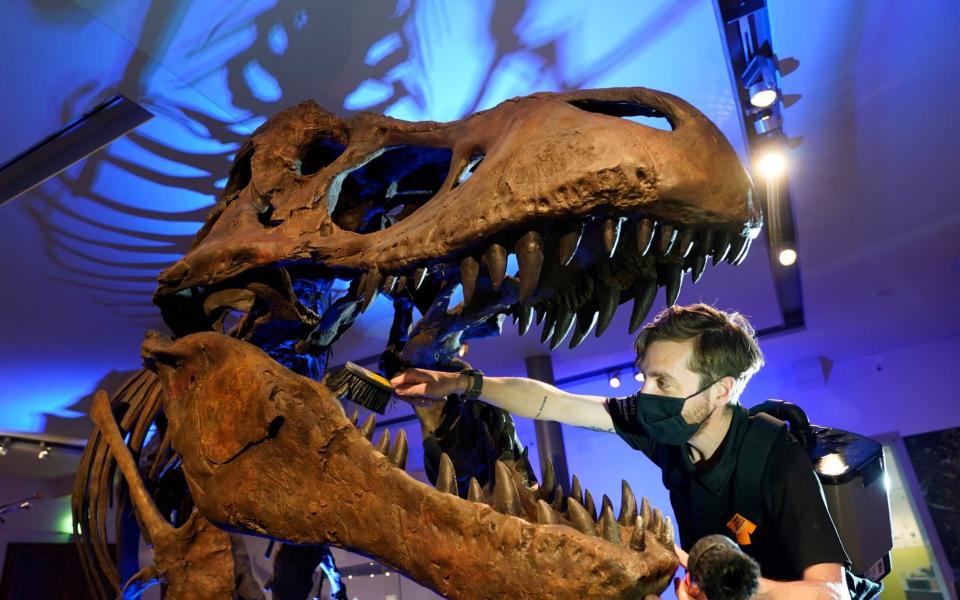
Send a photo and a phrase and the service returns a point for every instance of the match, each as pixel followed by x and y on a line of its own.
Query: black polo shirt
pixel 795 530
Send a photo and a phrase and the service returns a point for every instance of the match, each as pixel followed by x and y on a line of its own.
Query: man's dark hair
pixel 723 343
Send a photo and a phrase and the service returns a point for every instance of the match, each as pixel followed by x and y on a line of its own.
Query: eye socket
pixel 631 111
pixel 319 154
pixel 468 169
pixel 397 181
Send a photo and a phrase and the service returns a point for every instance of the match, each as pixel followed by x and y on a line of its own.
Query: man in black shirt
pixel 687 419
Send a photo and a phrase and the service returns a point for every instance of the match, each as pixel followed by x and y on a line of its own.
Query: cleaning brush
pixel 361 386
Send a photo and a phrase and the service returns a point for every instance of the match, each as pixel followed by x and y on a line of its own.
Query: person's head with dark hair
pixel 721 570
pixel 698 350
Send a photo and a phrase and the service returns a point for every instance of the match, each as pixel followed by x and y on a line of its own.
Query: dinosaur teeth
pixel 609 529
pixel 628 505
pixel 667 535
pixel 524 318
pixel 605 503
pixel 667 235
pixel 644 293
pixel 684 242
pixel 549 324
pixel 576 492
pixel 569 242
pixel 545 514
pixel 469 269
pixel 383 445
pixel 447 477
pixel 721 247
pixel 540 312
pixel 368 426
pixel 369 284
pixel 737 247
pixel 389 284
pixel 529 251
pixel 563 326
pixel 475 492
pixel 557 502
pixel 637 541
pixel 546 487
pixel 611 234
pixel 398 454
pixel 608 299
pixel 506 498
pixel 590 505
pixel 644 513
pixel 418 276
pixel 356 417
pixel 401 283
pixel 645 229
pixel 495 260
pixel 580 518
pixel 586 319
pixel 671 277
pixel 697 267
pixel 705 242
pixel 743 253
pixel 655 525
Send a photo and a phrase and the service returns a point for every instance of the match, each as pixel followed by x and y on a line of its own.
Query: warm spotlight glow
pixel 44 451
pixel 614 380
pixel 638 375
pixel 833 465
pixel 787 257
pixel 772 164
pixel 763 97
pixel 463 349
pixel 4 446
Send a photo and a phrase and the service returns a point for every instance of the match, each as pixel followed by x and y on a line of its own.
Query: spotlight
pixel 762 94
pixel 772 164
pixel 614 380
pixel 787 256
pixel 4 446
pixel 638 375
pixel 44 451
pixel 462 350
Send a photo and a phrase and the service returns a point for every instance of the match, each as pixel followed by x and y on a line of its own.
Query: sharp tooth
pixel 683 243
pixel 529 250
pixel 645 229
pixel 557 502
pixel 575 490
pixel 611 234
pixel 671 277
pixel 569 242
pixel 525 317
pixel 368 426
pixel 637 541
pixel 699 264
pixel 545 514
pixel 369 284
pixel 447 477
pixel 564 324
pixel 356 417
pixel 605 503
pixel 389 283
pixel 609 529
pixel 506 499
pixel 579 517
pixel 590 505
pixel 398 454
pixel 586 319
pixel 495 259
pixel 667 237
pixel 644 293
pixel 418 276
pixel 628 505
pixel 383 445
pixel 548 325
pixel 705 242
pixel 736 248
pixel 655 525
pixel 609 299
pixel 541 312
pixel 721 247
pixel 743 254
pixel 401 283
pixel 644 513
pixel 475 492
pixel 667 535
pixel 469 269
pixel 546 486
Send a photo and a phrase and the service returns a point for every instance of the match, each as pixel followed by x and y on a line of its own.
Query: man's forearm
pixel 801 590
pixel 538 400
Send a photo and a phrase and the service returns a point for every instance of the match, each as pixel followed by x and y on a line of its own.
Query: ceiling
pixel 875 202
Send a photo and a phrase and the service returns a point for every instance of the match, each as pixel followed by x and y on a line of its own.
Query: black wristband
pixel 474 385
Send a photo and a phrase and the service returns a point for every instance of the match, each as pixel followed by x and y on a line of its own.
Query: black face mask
pixel 659 416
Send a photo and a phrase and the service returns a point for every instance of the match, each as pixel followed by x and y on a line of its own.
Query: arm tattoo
pixel 540 412
pixel 603 429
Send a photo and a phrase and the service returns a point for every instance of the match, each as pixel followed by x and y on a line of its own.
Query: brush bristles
pixel 358 385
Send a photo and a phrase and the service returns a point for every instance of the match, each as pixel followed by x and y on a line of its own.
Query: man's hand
pixel 422 387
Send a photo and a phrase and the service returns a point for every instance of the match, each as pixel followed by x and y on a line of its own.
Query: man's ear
pixel 723 390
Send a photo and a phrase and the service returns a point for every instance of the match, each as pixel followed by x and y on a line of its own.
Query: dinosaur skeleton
pixel 598 211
